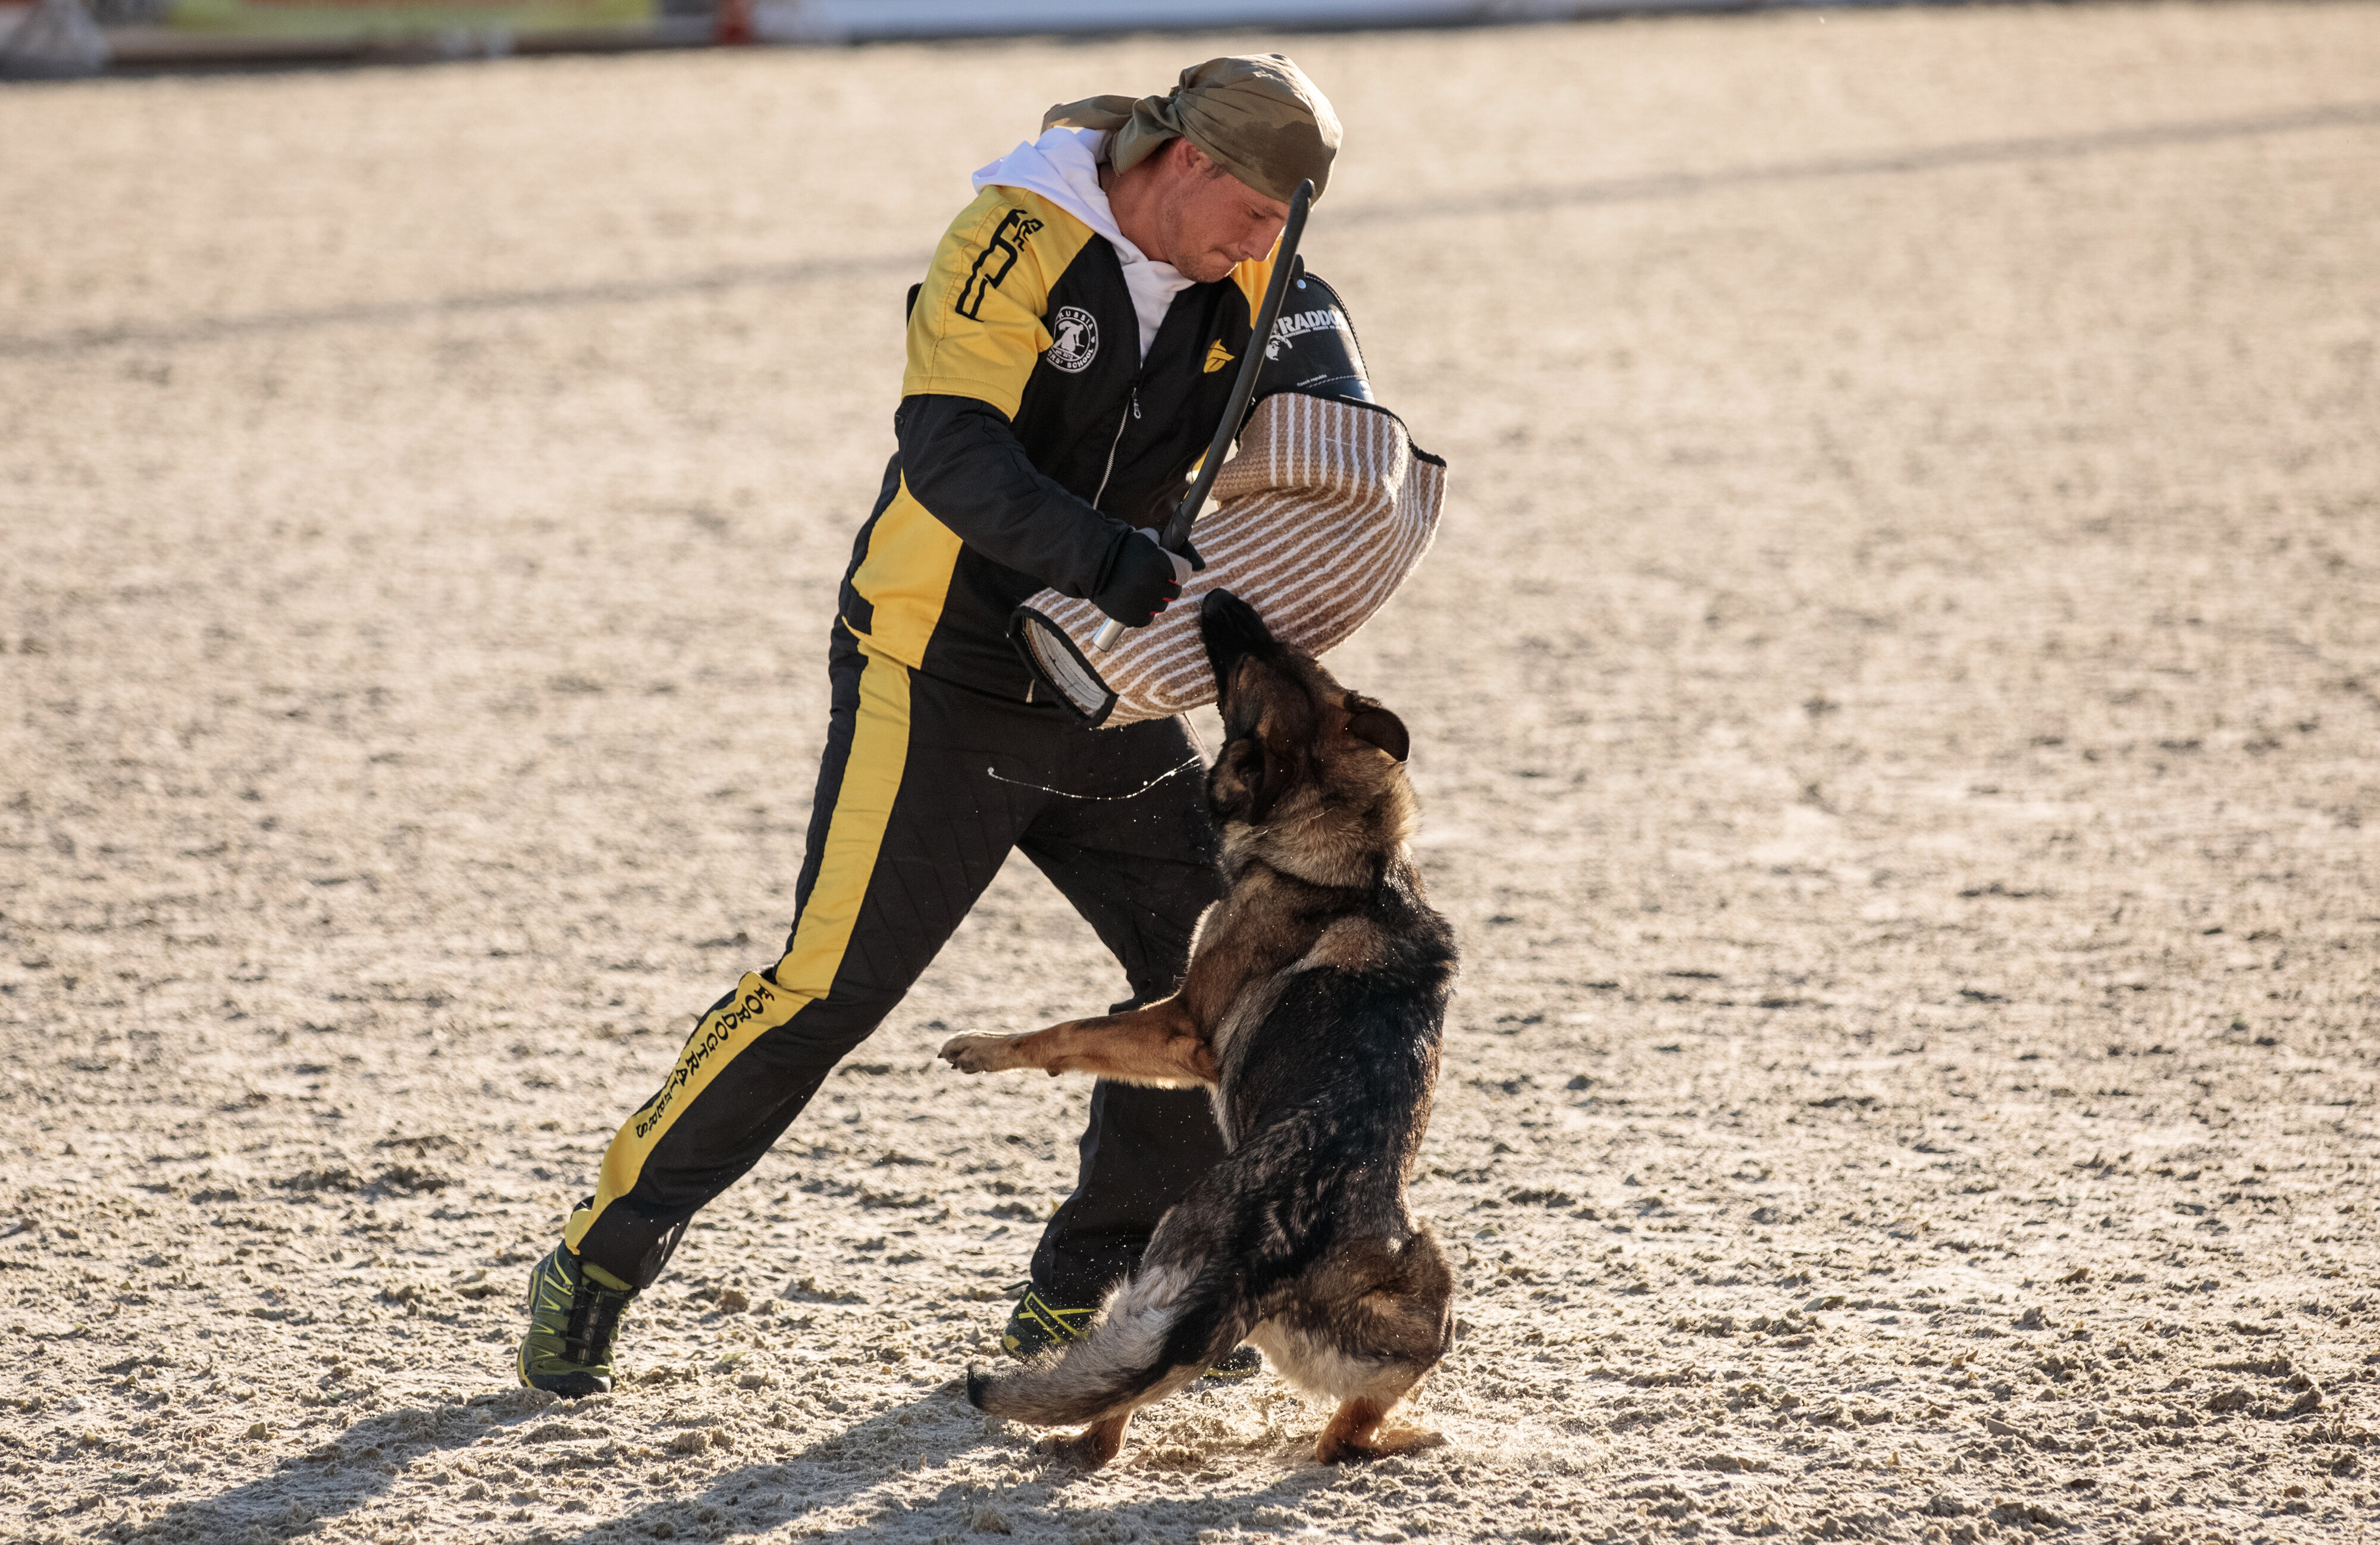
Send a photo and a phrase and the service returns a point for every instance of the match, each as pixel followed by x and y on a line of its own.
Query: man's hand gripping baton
pixel 1177 531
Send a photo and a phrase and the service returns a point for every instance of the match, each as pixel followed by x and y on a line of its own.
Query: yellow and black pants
pixel 924 788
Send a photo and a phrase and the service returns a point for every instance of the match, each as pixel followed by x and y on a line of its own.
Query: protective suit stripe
pixel 863 806
pixel 871 781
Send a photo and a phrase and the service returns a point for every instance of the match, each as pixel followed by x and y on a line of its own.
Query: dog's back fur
pixel 1314 1003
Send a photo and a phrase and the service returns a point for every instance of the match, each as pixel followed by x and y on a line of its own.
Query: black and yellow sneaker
pixel 1037 1324
pixel 1240 1362
pixel 574 1315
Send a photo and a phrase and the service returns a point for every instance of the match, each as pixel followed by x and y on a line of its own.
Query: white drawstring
pixel 1103 798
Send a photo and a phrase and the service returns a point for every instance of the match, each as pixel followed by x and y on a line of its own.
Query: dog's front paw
pixel 982 1053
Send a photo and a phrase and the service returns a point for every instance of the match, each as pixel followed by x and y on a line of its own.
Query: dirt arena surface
pixel 1896 698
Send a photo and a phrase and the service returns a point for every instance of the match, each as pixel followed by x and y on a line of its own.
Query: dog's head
pixel 1311 776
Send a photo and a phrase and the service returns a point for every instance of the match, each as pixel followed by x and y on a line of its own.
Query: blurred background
pixel 79 36
pixel 1895 699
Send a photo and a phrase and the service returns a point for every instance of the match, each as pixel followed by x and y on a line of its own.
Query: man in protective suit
pixel 1069 352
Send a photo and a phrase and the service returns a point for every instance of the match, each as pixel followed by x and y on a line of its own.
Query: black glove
pixel 1142 578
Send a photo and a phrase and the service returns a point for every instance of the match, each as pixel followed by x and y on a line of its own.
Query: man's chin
pixel 1208 269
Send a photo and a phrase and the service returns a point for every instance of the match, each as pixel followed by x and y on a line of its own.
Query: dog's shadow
pixel 941 1426
pixel 826 1472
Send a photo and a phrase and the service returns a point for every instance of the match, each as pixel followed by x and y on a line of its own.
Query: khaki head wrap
pixel 1257 116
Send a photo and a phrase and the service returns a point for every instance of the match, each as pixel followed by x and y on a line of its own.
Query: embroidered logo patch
pixel 1286 331
pixel 992 264
pixel 1077 340
pixel 1217 356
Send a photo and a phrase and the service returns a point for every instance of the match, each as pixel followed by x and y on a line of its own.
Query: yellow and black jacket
pixel 1032 437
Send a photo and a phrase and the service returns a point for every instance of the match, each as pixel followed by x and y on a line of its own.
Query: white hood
pixel 1064 168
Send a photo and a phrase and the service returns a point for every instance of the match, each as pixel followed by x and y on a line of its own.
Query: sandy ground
pixel 1896 699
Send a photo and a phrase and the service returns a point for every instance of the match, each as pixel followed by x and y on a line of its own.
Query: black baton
pixel 1177 531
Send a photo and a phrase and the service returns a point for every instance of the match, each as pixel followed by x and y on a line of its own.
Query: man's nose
pixel 1260 241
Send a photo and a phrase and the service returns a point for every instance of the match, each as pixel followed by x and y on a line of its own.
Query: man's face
pixel 1209 220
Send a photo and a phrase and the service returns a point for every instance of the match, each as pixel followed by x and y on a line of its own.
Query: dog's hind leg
pixel 1368 1385
pixel 1355 1434
pixel 1095 1444
pixel 1370 1348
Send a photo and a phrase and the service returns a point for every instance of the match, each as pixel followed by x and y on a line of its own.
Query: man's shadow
pixel 362 1464
pixel 338 1476
pixel 358 1467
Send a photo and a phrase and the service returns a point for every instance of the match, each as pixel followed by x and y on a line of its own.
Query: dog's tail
pixel 1159 1333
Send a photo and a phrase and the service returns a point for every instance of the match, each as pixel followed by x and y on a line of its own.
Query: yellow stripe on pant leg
pixel 863 806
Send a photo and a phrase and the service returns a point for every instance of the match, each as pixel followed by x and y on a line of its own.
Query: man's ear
pixel 1375 725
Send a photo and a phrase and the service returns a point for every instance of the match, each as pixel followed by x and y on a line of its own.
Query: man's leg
pixel 1140 868
pixel 905 835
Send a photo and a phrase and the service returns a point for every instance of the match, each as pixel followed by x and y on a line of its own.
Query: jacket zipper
pixel 1105 473
pixel 1108 471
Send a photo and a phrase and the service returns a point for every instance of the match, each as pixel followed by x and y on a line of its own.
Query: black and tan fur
pixel 1313 1007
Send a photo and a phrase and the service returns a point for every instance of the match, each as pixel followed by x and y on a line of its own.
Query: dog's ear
pixel 1375 725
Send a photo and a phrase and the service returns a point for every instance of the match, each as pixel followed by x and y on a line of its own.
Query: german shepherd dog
pixel 1313 1006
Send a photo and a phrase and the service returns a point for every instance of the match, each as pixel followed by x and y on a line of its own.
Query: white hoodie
pixel 1064 168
